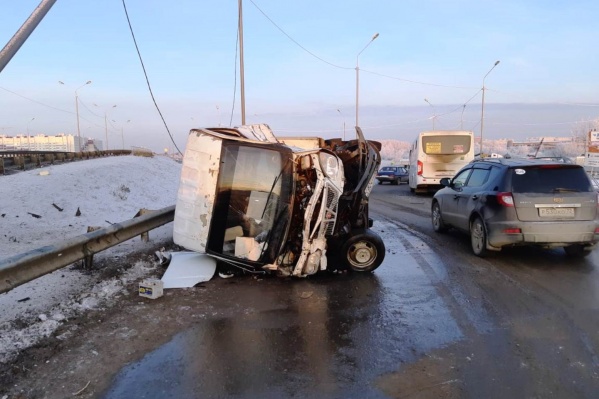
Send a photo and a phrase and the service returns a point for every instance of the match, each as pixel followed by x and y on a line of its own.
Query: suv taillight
pixel 505 199
pixel 419 169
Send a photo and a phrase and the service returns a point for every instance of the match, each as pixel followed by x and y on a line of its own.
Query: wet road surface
pixel 332 336
pixel 432 321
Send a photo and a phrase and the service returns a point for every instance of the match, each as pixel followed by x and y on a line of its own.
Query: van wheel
pixel 437 219
pixel 478 237
pixel 576 251
pixel 363 252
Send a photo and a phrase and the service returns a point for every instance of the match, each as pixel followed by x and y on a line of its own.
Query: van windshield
pixel 252 202
pixel 550 179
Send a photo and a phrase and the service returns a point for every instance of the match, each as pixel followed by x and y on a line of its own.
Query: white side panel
pixel 197 191
pixel 187 269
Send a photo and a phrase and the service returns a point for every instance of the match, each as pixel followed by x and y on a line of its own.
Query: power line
pixel 416 82
pixel 351 68
pixel 295 41
pixel 37 102
pixel 146 76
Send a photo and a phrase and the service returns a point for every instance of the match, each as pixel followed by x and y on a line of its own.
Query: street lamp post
pixel 482 110
pixel 31 120
pixel 434 112
pixel 28 139
pixel 77 110
pixel 106 125
pixel 123 135
pixel 343 123
pixel 358 75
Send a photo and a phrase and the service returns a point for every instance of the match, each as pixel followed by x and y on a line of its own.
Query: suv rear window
pixel 550 179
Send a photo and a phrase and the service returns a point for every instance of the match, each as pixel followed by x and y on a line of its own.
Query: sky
pixel 104 195
pixel 425 70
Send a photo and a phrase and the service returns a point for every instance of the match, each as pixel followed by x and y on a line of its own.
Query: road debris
pixel 82 389
pixel 151 288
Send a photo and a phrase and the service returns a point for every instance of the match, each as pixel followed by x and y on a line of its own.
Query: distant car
pixel 392 175
pixel 509 202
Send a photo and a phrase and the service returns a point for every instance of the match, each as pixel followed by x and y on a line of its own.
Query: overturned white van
pixel 248 199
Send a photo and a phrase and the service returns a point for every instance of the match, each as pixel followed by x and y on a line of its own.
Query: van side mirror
pixel 445 182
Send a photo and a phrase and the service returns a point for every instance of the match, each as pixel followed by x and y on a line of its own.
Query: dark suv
pixel 508 202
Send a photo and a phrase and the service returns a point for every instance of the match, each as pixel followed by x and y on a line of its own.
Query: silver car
pixel 509 202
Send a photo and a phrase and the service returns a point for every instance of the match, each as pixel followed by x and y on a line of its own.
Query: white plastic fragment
pixel 187 269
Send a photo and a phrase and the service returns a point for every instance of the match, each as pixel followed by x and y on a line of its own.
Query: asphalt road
pixel 433 321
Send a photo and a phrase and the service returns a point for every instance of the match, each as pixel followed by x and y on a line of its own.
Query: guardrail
pixel 22 160
pixel 25 267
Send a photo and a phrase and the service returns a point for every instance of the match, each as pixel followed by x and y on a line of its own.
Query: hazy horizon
pixel 304 64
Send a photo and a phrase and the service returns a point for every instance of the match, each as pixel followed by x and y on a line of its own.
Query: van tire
pixel 364 251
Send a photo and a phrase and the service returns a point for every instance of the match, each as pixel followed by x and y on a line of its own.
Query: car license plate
pixel 556 212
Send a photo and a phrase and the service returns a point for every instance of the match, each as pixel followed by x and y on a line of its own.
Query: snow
pixel 104 190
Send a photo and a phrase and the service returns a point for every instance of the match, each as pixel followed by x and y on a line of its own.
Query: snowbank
pixel 39 208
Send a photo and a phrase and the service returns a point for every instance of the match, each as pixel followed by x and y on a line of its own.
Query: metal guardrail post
pixel 20 162
pixel 35 159
pixel 25 267
pixel 145 237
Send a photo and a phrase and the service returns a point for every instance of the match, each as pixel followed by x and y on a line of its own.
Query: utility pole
pixel 15 43
pixel 241 73
pixel 482 110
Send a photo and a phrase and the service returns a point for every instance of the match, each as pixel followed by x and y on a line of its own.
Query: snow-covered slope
pixel 40 207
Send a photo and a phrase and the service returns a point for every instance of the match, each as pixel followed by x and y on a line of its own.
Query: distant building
pixel 548 142
pixel 42 142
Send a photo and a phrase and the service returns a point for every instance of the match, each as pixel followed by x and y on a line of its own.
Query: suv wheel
pixel 437 219
pixel 363 252
pixel 478 237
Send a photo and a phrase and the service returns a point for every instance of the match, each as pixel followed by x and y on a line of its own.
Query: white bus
pixel 438 154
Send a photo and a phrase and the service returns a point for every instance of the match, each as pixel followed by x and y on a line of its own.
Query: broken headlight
pixel 329 164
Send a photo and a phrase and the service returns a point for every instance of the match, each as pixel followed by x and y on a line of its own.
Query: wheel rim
pixel 362 254
pixel 436 216
pixel 478 236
